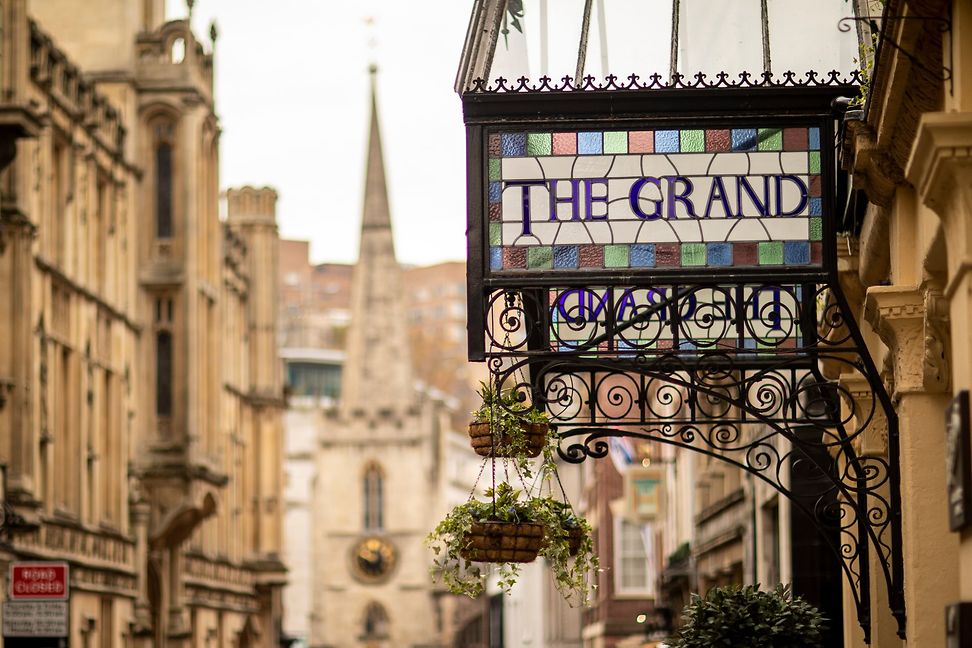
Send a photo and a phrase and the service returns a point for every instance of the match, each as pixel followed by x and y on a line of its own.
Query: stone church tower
pixel 378 460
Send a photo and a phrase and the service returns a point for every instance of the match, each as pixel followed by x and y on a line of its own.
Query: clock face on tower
pixel 373 559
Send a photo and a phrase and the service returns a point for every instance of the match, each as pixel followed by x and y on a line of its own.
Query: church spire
pixel 377 374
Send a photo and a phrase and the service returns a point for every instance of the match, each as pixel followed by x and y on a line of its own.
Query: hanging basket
pixel 575 537
pixel 501 542
pixel 481 436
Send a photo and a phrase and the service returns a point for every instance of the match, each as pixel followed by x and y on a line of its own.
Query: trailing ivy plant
pixel 573 568
pixel 508 416
pixel 747 616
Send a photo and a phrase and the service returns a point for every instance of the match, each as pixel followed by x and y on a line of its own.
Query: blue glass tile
pixel 514 144
pixel 796 252
pixel 686 345
pixel 495 192
pixel 666 141
pixel 495 258
pixel 589 143
pixel 749 343
pixel 642 256
pixel 565 256
pixel 744 139
pixel 814 139
pixel 718 254
pixel 816 207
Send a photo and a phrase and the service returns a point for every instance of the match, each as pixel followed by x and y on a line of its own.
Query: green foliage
pixel 681 554
pixel 507 415
pixel 745 616
pixel 506 504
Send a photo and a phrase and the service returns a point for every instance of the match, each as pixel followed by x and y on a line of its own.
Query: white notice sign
pixel 35 619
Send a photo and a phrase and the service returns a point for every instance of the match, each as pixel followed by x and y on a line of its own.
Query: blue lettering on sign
pixel 764 194
pixel 587 309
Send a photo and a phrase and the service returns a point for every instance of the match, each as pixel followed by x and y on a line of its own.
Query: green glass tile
pixel 816 229
pixel 494 169
pixel 770 139
pixel 538 144
pixel 540 257
pixel 615 256
pixel 615 142
pixel 495 234
pixel 692 141
pixel 771 253
pixel 693 254
pixel 814 161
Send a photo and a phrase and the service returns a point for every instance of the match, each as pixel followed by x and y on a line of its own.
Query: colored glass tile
pixel 743 139
pixel 718 254
pixel 692 141
pixel 615 142
pixel 642 255
pixel 693 254
pixel 796 252
pixel 514 257
pixel 514 144
pixel 494 169
pixel 565 256
pixel 540 257
pixel 745 254
pixel 816 252
pixel 565 143
pixel 495 212
pixel 665 344
pixel 495 258
pixel 592 256
pixel 816 206
pixel 816 229
pixel 770 139
pixel 615 256
pixel 666 141
pixel 814 161
pixel 717 141
pixel 813 135
pixel 495 192
pixel 495 234
pixel 794 139
pixel 641 142
pixel 494 145
pixel 815 185
pixel 771 253
pixel 589 143
pixel 539 144
pixel 667 255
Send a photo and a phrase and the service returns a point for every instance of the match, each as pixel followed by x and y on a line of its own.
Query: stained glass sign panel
pixel 654 199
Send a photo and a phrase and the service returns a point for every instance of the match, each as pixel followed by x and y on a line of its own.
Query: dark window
pixel 163 190
pixel 373 495
pixel 163 373
pixel 375 622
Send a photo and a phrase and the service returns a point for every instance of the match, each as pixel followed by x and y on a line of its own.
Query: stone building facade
pixel 140 429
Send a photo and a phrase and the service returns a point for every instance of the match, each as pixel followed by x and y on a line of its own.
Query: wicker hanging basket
pixel 482 438
pixel 501 542
pixel 575 537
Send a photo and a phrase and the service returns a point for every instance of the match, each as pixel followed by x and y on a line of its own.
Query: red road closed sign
pixel 33 581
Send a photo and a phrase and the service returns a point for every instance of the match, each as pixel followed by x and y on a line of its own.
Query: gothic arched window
pixel 375 622
pixel 163 180
pixel 373 497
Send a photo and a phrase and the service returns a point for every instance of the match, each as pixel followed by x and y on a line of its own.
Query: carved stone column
pixel 911 321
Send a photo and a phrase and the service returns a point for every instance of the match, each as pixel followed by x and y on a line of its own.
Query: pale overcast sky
pixel 292 97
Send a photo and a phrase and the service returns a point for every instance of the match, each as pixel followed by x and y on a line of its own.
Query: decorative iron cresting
pixel 711 346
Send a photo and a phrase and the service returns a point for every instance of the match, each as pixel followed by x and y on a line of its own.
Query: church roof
pixel 377 376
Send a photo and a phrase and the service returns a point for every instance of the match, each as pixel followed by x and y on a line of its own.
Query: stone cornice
pixel 941 159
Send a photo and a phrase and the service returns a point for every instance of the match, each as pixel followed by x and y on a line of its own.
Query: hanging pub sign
pixel 958 473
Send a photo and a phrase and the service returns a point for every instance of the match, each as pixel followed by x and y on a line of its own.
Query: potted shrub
pixel 505 427
pixel 510 529
pixel 746 616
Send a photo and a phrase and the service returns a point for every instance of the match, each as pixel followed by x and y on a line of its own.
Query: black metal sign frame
pixel 723 361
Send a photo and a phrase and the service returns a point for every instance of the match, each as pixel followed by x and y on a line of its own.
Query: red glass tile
pixel 717 140
pixel 816 252
pixel 814 185
pixel 788 343
pixel 591 256
pixel 495 211
pixel 565 143
pixel 794 139
pixel 641 142
pixel 494 145
pixel 745 254
pixel 668 255
pixel 665 344
pixel 514 257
